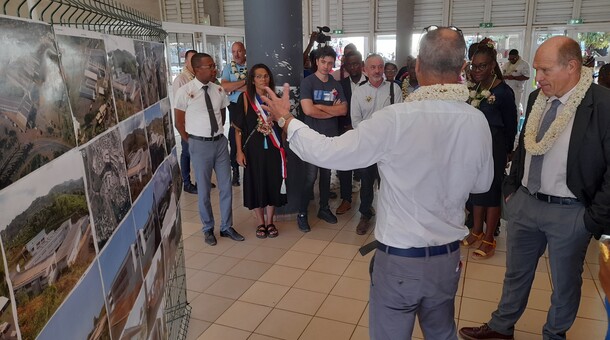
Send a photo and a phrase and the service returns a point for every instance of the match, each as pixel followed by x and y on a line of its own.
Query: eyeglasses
pixel 480 67
pixel 435 27
pixel 261 76
pixel 211 66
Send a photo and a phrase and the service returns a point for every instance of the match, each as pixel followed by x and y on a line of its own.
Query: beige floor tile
pixel 589 289
pixel 201 280
pixel 329 265
pixel 223 245
pixel 301 301
pixel 499 258
pixel 321 234
pixel 317 282
pixel 283 241
pixel 190 228
pixel 188 254
pixel 588 329
pixel 191 295
pixel 263 293
pixel 482 290
pixel 307 245
pixel 484 272
pixel 282 275
pixel 209 307
pixel 297 259
pixel 243 315
pixel 283 324
pixel 350 237
pixel 352 288
pixel 196 327
pixel 591 271
pixel 249 269
pixel 239 250
pixel 592 308
pixel 216 332
pixel 531 321
pixel 194 243
pixel 221 264
pixel 255 336
pixel 320 328
pixel 460 289
pixel 341 250
pixel 478 311
pixel 229 287
pixel 357 270
pixel 266 254
pixel 366 258
pixel 360 333
pixel 199 260
pixel 342 309
pixel 364 319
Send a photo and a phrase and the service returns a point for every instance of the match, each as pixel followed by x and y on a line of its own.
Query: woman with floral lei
pixel 496 100
pixel 260 151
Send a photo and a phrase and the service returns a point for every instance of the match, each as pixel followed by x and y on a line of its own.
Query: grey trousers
pixel 532 225
pixel 403 287
pixel 206 156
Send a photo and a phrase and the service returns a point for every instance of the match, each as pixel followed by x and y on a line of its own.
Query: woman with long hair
pixel 260 151
pixel 490 94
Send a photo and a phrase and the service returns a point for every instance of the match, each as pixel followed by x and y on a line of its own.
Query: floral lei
pixel 475 97
pixel 561 121
pixel 440 92
pixel 405 86
pixel 240 74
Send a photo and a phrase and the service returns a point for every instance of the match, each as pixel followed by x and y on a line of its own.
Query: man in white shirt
pixel 200 114
pixel 431 153
pixel 368 98
pixel 515 73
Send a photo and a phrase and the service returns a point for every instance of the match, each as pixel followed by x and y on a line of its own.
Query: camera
pixel 322 38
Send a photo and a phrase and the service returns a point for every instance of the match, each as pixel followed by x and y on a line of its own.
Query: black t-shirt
pixel 324 93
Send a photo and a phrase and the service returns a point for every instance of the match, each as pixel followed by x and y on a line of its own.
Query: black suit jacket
pixel 346 121
pixel 588 172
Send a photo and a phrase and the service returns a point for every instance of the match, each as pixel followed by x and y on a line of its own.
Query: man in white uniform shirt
pixel 367 98
pixel 515 73
pixel 431 152
pixel 200 115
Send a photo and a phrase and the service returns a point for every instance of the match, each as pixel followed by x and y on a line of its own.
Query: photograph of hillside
pixel 107 184
pixel 47 239
pixel 87 320
pixel 171 240
pixel 35 119
pixel 125 81
pixel 121 274
pixel 137 155
pixel 168 124
pixel 156 135
pixel 87 73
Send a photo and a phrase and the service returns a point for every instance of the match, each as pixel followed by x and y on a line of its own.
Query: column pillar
pixel 274 37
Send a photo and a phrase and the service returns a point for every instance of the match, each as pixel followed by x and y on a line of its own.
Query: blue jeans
pixel 185 162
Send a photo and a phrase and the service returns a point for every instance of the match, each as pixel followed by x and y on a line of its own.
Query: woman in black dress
pixel 260 151
pixel 496 100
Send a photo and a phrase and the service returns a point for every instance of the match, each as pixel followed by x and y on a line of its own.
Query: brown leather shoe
pixel 363 226
pixel 483 332
pixel 344 207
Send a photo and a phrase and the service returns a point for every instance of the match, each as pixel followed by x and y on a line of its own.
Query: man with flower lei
pixel 558 190
pixel 233 81
pixel 431 151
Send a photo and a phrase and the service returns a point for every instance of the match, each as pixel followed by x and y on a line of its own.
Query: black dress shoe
pixel 302 223
pixel 332 195
pixel 209 238
pixel 190 188
pixel 483 332
pixel 327 215
pixel 232 233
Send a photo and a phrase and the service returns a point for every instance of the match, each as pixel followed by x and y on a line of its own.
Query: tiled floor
pixel 315 285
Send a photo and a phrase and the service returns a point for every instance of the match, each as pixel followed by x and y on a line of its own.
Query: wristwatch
pixel 282 121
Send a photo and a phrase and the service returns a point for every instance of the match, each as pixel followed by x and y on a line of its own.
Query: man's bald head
pixel 441 53
pixel 239 52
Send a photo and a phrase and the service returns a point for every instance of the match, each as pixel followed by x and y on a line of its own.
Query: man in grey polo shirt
pixel 200 114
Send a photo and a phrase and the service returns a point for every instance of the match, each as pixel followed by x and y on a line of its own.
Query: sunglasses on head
pixel 435 27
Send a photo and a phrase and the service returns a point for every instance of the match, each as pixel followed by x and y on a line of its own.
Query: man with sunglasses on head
pixel 432 151
pixel 200 116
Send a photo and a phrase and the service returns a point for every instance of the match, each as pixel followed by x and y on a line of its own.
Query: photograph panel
pixel 155 132
pixel 148 72
pixel 155 289
pixel 87 74
pixel 137 155
pixel 135 326
pixel 35 118
pixel 47 238
pixel 107 185
pixel 147 227
pixel 8 320
pixel 125 81
pixel 168 124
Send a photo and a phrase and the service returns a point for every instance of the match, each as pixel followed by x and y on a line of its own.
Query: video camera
pixel 322 38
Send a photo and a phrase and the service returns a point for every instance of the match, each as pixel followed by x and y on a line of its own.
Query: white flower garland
pixel 240 74
pixel 439 92
pixel 561 121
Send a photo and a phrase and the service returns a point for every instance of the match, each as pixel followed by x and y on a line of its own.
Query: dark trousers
pixel 367 180
pixel 185 162
pixel 311 172
pixel 232 145
pixel 345 182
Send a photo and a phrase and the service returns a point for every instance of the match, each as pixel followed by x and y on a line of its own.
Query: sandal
pixel 481 255
pixel 272 230
pixel 261 231
pixel 478 237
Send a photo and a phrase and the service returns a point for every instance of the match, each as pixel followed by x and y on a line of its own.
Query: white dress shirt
pixel 182 79
pixel 190 98
pixel 367 99
pixel 430 154
pixel 520 68
pixel 555 163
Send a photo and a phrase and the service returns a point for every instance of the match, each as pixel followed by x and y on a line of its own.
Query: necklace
pixel 439 92
pixel 240 74
pixel 475 97
pixel 561 121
